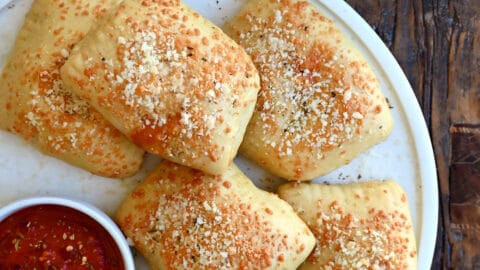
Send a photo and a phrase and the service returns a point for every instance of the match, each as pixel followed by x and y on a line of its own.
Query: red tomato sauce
pixel 56 237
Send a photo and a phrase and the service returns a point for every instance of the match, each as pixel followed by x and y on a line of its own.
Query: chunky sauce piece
pixel 56 237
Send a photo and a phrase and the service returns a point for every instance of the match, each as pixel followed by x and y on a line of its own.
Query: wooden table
pixel 437 43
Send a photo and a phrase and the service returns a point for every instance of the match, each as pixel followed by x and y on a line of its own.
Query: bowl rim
pixel 84 207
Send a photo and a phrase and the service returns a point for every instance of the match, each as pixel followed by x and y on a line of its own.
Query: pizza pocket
pixel 357 226
pixel 170 80
pixel 181 218
pixel 320 104
pixel 36 105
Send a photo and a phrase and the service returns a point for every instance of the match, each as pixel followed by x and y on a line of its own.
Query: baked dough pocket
pixel 36 105
pixel 168 79
pixel 357 226
pixel 181 218
pixel 320 103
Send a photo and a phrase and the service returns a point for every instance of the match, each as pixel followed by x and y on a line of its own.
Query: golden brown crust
pixel 320 103
pixel 168 79
pixel 180 218
pixel 357 226
pixel 35 104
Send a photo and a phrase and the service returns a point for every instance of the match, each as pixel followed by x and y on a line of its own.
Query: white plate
pixel 406 156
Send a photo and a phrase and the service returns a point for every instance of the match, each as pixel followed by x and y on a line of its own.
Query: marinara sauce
pixel 56 237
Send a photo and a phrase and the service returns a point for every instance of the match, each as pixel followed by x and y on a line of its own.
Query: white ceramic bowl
pixel 83 207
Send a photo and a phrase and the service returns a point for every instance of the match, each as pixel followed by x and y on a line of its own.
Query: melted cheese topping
pixel 36 104
pixel 380 241
pixel 317 93
pixel 208 235
pixel 181 218
pixel 309 91
pixel 356 226
pixel 168 79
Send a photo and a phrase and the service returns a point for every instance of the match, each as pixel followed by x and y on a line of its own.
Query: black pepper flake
pixel 333 94
pixel 389 104
pixel 103 59
pixel 204 59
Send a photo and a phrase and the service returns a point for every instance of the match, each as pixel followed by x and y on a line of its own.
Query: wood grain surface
pixel 437 43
